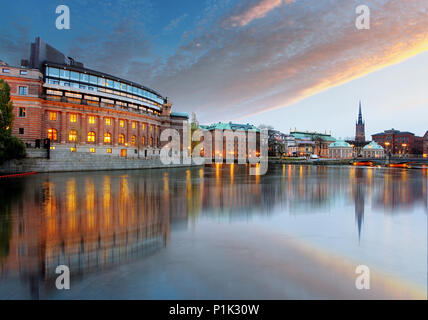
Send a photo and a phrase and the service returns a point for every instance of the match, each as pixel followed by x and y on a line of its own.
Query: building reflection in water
pixel 92 221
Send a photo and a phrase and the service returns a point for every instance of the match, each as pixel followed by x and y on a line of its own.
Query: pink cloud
pixel 260 10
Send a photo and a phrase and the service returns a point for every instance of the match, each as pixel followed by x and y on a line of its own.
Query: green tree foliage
pixel 10 147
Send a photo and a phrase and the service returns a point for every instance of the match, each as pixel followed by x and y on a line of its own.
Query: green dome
pixel 373 146
pixel 340 144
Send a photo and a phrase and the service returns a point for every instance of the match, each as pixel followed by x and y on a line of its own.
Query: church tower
pixel 360 135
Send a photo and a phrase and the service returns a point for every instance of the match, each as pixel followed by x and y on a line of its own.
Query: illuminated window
pixel 107 137
pixel 52 116
pixel 121 139
pixel 52 134
pixel 144 126
pixel 22 112
pixel 91 119
pixel 133 140
pixel 73 117
pixel 109 150
pixel 91 136
pixel 123 153
pixel 108 121
pixel 92 150
pixel 151 128
pixel 72 136
pixel 151 142
pixel 73 149
pixel 122 123
pixel 134 124
pixel 143 140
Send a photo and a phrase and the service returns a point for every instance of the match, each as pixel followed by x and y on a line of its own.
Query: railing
pixel 95 103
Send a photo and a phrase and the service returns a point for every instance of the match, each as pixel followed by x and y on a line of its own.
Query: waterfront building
pixel 312 143
pixel 373 150
pixel 401 143
pixel 217 146
pixel 83 110
pixel 340 150
pixel 425 145
pixel 280 144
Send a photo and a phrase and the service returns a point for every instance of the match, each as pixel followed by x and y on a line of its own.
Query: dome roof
pixel 373 146
pixel 340 144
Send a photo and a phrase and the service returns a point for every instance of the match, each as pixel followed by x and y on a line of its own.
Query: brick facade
pixel 70 122
pixel 399 143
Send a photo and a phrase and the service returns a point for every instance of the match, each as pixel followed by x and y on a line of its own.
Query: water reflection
pixel 93 221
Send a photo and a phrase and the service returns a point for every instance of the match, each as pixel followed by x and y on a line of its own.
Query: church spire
pixel 360 135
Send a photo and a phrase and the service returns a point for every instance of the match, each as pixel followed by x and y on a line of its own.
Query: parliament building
pixel 82 110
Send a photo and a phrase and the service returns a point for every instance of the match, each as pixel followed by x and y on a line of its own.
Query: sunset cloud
pixel 233 59
pixel 259 10
pixel 291 56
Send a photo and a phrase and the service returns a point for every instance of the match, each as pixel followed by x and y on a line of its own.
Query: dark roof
pixel 392 131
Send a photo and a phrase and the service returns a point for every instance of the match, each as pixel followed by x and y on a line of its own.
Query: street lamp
pixel 387 147
pixel 404 145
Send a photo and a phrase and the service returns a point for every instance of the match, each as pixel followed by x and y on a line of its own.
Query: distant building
pixel 340 150
pixel 360 135
pixel 397 142
pixel 280 144
pixel 238 147
pixel 359 141
pixel 373 150
pixel 425 145
pixel 312 143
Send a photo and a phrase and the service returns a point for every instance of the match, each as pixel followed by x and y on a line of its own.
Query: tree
pixel 265 127
pixel 6 109
pixel 10 147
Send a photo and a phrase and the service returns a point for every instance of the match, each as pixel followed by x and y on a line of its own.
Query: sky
pixel 291 64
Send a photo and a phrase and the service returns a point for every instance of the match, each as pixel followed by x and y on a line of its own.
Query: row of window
pixel 101 82
pixel 7 70
pixel 150 103
pixel 91 137
pixel 91 120
pixel 389 139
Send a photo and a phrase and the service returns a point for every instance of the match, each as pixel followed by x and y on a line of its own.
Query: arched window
pixel 107 137
pixel 91 136
pixel 72 136
pixel 143 140
pixel 121 138
pixel 133 140
pixel 53 134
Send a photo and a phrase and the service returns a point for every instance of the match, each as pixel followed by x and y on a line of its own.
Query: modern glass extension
pixel 85 81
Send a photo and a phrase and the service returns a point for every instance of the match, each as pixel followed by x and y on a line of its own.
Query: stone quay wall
pixel 66 161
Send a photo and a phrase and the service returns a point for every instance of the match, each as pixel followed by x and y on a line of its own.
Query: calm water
pixel 298 232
